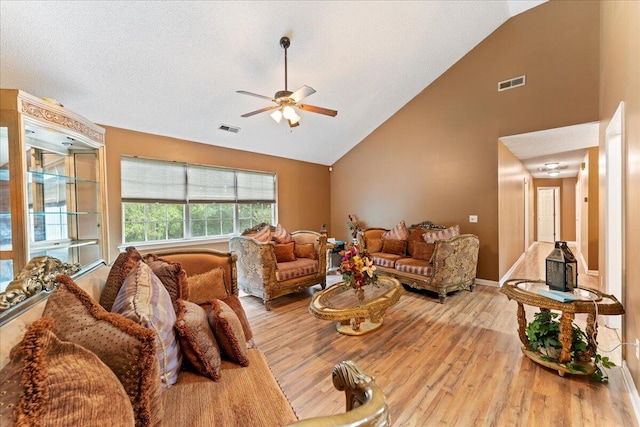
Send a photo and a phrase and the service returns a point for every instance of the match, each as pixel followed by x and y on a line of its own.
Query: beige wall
pixel 589 206
pixel 620 81
pixel 437 158
pixel 303 188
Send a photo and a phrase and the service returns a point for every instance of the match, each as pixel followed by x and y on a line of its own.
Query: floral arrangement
pixel 357 268
pixel 355 228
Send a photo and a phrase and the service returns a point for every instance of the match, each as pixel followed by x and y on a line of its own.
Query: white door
pixel 547 215
pixel 614 211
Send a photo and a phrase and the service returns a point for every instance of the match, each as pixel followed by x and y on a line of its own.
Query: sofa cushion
pixel 284 252
pixel 243 397
pixel 123 345
pixel 207 286
pixel 227 329
pixel 172 276
pixel 144 299
pixel 281 235
pixel 385 260
pixel 234 302
pixel 415 266
pixel 199 346
pixel 399 232
pixel 263 235
pixel 395 247
pixel 298 268
pixel 119 271
pixel 415 235
pixel 60 383
pixel 305 250
pixel 373 245
pixel 423 250
pixel 432 235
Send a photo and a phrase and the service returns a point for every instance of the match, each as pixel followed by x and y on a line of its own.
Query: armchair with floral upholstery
pixel 273 262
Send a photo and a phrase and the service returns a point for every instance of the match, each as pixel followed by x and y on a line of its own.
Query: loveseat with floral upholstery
pixel 273 262
pixel 425 256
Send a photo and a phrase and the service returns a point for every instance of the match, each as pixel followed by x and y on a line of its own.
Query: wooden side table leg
pixel 592 334
pixel 565 337
pixel 522 326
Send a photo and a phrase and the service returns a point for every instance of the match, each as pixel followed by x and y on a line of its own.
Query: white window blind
pixel 256 187
pixel 210 184
pixel 143 179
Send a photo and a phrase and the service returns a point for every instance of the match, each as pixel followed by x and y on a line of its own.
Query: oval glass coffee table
pixel 339 303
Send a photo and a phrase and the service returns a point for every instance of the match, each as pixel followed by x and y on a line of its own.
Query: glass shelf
pixel 48 245
pixel 36 177
pixel 62 213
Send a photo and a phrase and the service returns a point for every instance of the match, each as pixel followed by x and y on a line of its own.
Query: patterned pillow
pixel 234 302
pixel 373 245
pixel 396 247
pixel 284 252
pixel 264 235
pixel 432 235
pixel 399 232
pixel 304 250
pixel 281 235
pixel 144 299
pixel 197 342
pixel 119 271
pixel 53 382
pixel 227 329
pixel 172 276
pixel 207 286
pixel 423 250
pixel 123 345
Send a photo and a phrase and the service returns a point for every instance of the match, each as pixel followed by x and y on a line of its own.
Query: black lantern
pixel 562 268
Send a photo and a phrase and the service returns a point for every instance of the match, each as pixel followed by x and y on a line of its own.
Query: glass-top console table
pixel 589 301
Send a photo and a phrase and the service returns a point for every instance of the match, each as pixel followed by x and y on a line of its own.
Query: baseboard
pixel 507 275
pixel 631 390
pixel 485 282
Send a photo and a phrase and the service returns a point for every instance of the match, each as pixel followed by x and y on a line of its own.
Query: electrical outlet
pixel 637 349
pixel 473 218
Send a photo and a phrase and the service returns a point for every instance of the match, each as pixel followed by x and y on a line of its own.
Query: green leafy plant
pixel 543 333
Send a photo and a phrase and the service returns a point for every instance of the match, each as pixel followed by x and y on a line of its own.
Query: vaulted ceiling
pixel 173 67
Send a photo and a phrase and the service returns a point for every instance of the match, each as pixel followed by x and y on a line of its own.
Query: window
pixel 179 201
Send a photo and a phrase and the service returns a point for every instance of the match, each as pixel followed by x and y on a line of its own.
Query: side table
pixel 525 291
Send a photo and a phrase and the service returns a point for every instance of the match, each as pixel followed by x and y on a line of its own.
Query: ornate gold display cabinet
pixel 52 185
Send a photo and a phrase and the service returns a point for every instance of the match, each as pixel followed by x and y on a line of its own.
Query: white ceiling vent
pixel 228 128
pixel 511 83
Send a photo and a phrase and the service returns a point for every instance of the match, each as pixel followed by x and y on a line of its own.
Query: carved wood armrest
pixel 365 402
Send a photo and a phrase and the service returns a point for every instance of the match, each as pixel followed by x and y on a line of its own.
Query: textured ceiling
pixel 173 67
pixel 566 146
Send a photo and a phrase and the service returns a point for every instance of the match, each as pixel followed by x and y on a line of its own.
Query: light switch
pixel 473 218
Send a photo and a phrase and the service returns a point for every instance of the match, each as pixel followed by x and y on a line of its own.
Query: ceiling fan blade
pixel 319 110
pixel 262 110
pixel 302 93
pixel 244 92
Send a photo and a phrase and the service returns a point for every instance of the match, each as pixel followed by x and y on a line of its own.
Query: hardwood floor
pixel 453 364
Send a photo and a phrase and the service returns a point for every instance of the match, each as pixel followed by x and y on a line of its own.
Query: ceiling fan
pixel 286 100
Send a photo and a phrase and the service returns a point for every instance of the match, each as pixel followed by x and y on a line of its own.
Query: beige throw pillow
pixel 207 286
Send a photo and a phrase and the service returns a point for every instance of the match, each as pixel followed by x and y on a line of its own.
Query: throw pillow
pixel 415 235
pixel 126 347
pixel 304 250
pixel 207 286
pixel 60 383
pixel 144 299
pixel 197 342
pixel 395 247
pixel 284 252
pixel 281 235
pixel 119 271
pixel 432 235
pixel 172 276
pixel 373 245
pixel 264 235
pixel 399 232
pixel 227 329
pixel 234 302
pixel 423 250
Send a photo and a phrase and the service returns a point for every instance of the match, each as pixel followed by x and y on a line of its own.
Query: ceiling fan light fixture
pixel 289 113
pixel 554 173
pixel 277 115
pixel 552 165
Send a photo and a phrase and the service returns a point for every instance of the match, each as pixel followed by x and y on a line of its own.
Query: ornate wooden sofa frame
pixel 260 275
pixel 453 265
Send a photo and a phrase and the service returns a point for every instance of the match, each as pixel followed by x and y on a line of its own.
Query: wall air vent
pixel 228 128
pixel 511 83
